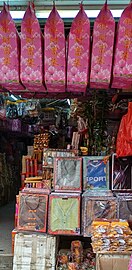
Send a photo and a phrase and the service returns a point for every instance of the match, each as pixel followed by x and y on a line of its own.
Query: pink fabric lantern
pixel 102 49
pixel 55 53
pixel 31 52
pixel 9 52
pixel 122 71
pixel 78 53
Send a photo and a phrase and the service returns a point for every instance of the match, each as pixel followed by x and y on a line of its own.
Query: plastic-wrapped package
pixel 64 214
pixel 9 52
pixel 124 205
pixel 68 174
pixel 55 53
pixel 96 205
pixel 95 172
pixel 32 211
pixel 102 49
pixel 121 173
pixel 78 53
pixel 124 136
pixel 31 52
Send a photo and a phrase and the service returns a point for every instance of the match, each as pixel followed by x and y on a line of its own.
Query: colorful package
pixel 122 71
pixel 124 136
pixel 64 214
pixel 31 52
pixel 55 53
pixel 78 53
pixel 9 52
pixel 102 205
pixel 32 212
pixel 102 49
pixel 95 172
pixel 68 174
pixel 121 173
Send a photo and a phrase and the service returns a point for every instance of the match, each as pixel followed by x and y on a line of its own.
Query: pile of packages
pixel 108 235
pixel 76 258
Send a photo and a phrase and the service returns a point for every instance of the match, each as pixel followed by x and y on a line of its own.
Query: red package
pixel 124 137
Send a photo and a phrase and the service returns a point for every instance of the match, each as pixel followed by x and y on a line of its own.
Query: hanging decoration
pixel 31 52
pixel 78 53
pixel 122 71
pixel 9 52
pixel 55 53
pixel 102 50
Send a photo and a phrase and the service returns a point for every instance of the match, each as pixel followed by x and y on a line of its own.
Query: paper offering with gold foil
pixel 111 236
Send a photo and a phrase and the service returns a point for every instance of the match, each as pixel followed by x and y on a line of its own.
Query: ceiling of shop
pixel 64 4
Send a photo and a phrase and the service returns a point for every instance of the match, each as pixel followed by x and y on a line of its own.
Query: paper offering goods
pixel 9 52
pixel 108 235
pixel 31 52
pixel 122 71
pixel 102 49
pixel 54 53
pixel 78 53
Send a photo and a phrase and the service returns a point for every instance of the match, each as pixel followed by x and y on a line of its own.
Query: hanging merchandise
pixel 102 50
pixel 9 52
pixel 31 52
pixel 55 53
pixel 78 53
pixel 122 71
pixel 124 136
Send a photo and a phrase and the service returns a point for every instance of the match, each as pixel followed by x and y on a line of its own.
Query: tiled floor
pixel 6 227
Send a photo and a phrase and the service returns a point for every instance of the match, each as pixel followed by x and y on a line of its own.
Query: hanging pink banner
pixel 31 52
pixel 55 53
pixel 78 53
pixel 9 52
pixel 122 71
pixel 102 49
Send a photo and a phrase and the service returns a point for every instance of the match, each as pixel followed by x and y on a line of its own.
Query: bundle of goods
pixel 108 235
pixel 41 141
pixel 76 258
pixel 97 204
pixel 35 251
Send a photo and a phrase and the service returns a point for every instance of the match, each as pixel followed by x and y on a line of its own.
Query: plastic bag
pixel 124 137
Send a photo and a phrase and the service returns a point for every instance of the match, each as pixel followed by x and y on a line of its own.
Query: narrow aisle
pixel 6 227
